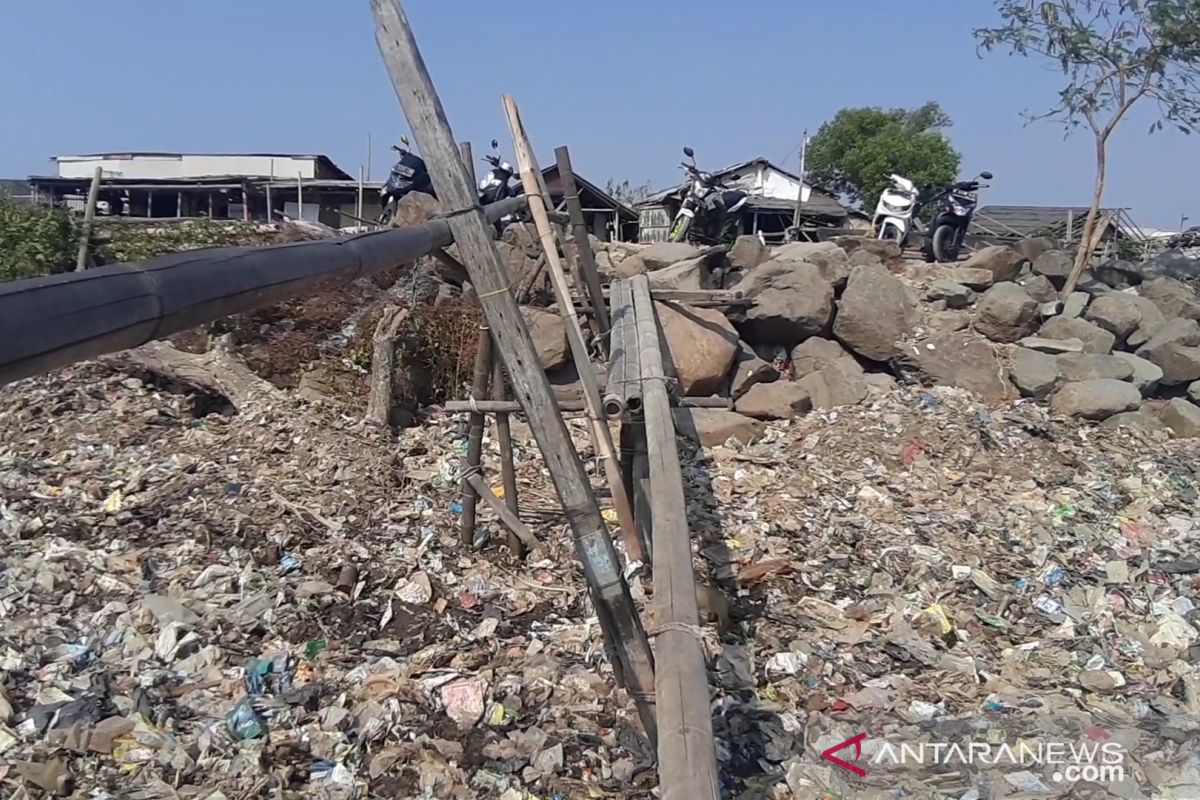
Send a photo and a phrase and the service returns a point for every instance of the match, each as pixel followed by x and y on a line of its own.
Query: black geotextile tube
pixel 50 322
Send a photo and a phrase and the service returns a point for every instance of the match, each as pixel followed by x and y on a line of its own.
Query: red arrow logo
pixel 828 755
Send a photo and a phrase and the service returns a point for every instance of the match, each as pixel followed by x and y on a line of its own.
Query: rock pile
pixel 834 321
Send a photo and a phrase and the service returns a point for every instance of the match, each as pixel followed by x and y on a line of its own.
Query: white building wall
pixel 779 186
pixel 157 167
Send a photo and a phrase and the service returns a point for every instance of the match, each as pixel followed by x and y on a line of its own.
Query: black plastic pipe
pixel 50 322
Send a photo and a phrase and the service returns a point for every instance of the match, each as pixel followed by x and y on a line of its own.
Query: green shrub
pixel 34 240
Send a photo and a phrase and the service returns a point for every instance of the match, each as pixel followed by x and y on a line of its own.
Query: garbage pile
pixel 924 570
pixel 274 604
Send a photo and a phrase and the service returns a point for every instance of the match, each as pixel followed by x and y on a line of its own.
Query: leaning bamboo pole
pixel 601 435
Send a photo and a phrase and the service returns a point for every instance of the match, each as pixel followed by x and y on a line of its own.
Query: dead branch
pixel 383 365
pixel 220 370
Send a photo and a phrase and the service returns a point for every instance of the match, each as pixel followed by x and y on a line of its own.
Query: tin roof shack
pixel 607 218
pixel 249 186
pixel 771 208
pixel 1120 235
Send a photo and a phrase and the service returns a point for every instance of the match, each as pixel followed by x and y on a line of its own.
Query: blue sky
pixel 625 83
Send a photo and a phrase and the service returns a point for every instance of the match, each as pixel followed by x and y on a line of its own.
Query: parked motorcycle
pixel 498 184
pixel 956 206
pixel 408 175
pixel 711 212
pixel 895 210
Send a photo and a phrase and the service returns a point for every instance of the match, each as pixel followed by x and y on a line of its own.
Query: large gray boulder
pixel 838 384
pixel 1171 264
pixel 948 320
pixel 792 302
pixel 1118 313
pixel 1090 366
pixel 692 274
pixel 1095 339
pixel 1032 248
pixel 888 253
pixel 778 400
pixel 1055 265
pixel 1118 274
pixel 714 426
pixel 1034 374
pixel 1181 417
pixel 971 277
pixel 1173 348
pixel 664 254
pixel 1146 374
pixel 1173 298
pixel 817 353
pixel 549 334
pixel 702 345
pixel 748 370
pixel 1002 261
pixel 1006 313
pixel 1193 391
pixel 955 359
pixel 875 311
pixel 1151 322
pixel 831 261
pixel 954 294
pixel 1141 419
pixel 1095 399
pixel 748 252
pixel 1040 288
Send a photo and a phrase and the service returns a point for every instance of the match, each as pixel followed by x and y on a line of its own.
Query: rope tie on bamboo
pixel 495 292
pixel 458 212
pixel 700 634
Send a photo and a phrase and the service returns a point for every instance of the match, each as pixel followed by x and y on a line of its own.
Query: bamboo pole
pixel 625 638
pixel 511 521
pixel 89 214
pixel 479 390
pixel 583 248
pixel 508 468
pixel 601 435
pixel 687 760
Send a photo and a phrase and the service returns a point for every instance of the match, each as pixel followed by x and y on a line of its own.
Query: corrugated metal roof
pixel 1025 221
pixel 819 202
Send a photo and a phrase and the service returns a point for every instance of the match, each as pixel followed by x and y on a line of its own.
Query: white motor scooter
pixel 894 213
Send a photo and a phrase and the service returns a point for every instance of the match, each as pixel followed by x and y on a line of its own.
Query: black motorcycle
pixel 711 211
pixel 956 203
pixel 408 175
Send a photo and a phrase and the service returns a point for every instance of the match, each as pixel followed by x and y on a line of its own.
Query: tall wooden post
pixel 583 247
pixel 493 284
pixel 89 215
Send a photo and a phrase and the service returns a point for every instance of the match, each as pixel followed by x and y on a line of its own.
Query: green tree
pixel 1112 54
pixel 855 152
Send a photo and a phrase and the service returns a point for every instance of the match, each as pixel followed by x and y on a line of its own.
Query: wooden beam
pixel 512 406
pixel 510 520
pixel 89 214
pixel 480 381
pixel 610 596
pixel 583 249
pixel 687 759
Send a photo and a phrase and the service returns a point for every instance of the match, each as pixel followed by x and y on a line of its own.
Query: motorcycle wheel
pixel 387 216
pixel 945 244
pixel 889 233
pixel 679 230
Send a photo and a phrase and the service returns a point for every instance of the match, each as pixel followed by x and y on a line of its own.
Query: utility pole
pixel 800 194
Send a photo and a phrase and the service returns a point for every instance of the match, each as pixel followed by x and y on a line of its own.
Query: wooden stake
pixel 610 596
pixel 511 521
pixel 591 287
pixel 383 365
pixel 601 435
pixel 687 759
pixel 479 391
pixel 89 214
pixel 508 467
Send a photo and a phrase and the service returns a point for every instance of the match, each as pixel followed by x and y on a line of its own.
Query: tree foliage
pixel 34 240
pixel 854 153
pixel 1113 54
